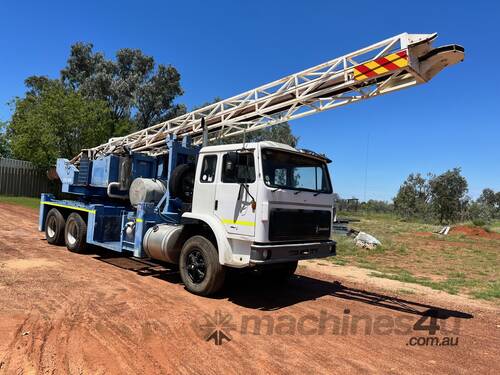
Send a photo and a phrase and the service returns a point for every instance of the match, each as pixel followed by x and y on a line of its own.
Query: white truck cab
pixel 266 203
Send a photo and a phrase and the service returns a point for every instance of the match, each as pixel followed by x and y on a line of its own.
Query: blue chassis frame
pixel 145 216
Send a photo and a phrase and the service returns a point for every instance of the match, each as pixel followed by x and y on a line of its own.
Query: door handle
pixel 216 205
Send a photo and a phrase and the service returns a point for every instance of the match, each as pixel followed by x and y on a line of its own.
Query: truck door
pixel 237 193
pixel 205 185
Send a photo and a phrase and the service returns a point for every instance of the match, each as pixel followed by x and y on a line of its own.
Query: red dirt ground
pixel 474 232
pixel 65 313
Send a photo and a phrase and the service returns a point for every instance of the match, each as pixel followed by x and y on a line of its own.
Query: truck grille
pixel 292 225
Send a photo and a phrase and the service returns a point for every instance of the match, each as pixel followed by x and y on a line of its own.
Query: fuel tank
pixel 162 242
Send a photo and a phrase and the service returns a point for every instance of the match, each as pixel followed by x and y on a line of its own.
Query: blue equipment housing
pixel 93 177
pixel 101 190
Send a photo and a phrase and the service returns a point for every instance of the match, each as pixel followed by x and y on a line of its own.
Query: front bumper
pixel 268 253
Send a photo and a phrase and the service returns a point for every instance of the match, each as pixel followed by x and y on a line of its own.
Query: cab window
pixel 290 170
pixel 208 166
pixel 243 170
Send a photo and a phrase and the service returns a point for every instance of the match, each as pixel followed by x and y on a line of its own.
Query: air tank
pixel 149 190
pixel 162 242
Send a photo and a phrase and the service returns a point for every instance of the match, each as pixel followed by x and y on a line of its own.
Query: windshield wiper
pixel 297 192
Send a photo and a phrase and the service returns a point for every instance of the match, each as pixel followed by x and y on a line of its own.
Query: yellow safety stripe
pixel 239 222
pixel 139 220
pixel 70 207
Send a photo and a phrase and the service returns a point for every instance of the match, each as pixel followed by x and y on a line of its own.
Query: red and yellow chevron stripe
pixel 382 65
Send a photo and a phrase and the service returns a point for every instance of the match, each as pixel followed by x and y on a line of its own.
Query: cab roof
pixel 250 145
pixel 262 144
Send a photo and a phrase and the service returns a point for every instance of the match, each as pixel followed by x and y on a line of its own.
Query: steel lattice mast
pixel 402 61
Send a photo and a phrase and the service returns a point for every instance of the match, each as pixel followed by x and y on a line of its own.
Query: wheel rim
pixel 51 227
pixel 72 233
pixel 196 267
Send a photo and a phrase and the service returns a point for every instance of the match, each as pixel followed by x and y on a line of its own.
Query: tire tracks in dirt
pixel 88 316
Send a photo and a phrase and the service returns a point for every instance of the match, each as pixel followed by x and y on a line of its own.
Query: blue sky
pixel 222 48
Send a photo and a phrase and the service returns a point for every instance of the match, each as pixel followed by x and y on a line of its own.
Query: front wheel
pixel 199 266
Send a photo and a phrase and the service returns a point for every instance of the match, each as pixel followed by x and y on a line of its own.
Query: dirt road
pixel 64 313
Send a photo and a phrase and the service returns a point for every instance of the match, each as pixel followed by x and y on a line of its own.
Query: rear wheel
pixel 75 233
pixel 54 227
pixel 199 266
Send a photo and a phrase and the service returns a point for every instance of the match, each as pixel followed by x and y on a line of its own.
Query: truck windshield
pixel 289 170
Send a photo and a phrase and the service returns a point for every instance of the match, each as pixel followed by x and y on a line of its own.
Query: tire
pixel 54 227
pixel 181 182
pixel 75 233
pixel 199 267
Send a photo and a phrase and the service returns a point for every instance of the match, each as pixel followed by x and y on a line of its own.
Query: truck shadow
pixel 261 295
pixel 142 267
pixel 252 291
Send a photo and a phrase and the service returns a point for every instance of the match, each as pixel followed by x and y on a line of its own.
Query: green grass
pixel 494 226
pixel 410 252
pixel 453 283
pixel 490 291
pixel 21 201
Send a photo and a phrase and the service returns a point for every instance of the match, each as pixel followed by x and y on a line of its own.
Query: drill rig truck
pixel 164 193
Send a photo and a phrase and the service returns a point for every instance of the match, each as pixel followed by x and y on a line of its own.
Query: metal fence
pixel 21 178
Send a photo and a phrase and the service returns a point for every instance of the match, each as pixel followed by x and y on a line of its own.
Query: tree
pixel 94 99
pixel 4 142
pixel 131 85
pixel 52 121
pixel 377 206
pixel 489 198
pixel 413 197
pixel 480 213
pixel 448 195
pixel 281 133
pixel 488 205
pixel 497 199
